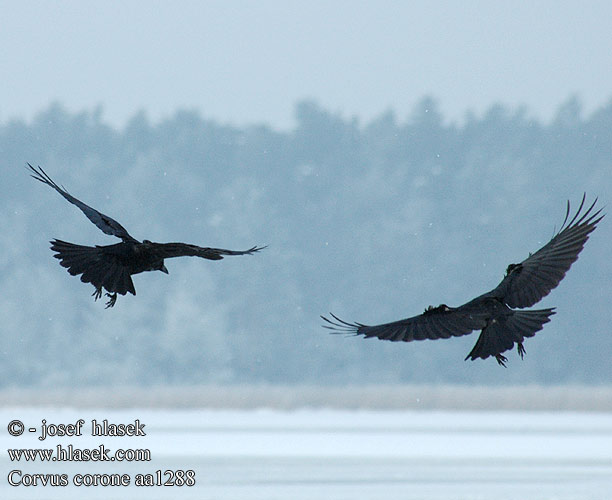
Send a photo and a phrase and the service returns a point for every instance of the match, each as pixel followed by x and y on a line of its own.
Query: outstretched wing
pixel 526 283
pixel 169 250
pixel 440 322
pixel 104 222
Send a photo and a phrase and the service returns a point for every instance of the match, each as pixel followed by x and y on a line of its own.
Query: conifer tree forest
pixel 371 220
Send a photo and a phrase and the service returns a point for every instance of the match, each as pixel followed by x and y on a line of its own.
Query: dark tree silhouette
pixel 501 326
pixel 111 266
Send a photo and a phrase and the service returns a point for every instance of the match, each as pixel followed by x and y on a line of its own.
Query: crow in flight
pixel 501 326
pixel 111 266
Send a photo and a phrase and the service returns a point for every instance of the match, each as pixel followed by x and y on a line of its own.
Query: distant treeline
pixel 372 221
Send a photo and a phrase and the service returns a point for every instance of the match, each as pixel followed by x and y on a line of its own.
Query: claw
pixel 501 359
pixel 112 299
pixel 97 293
pixel 521 349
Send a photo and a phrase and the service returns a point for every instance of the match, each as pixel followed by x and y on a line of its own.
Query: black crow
pixel 493 313
pixel 111 266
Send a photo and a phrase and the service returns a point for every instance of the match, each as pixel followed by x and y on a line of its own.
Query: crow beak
pixel 163 269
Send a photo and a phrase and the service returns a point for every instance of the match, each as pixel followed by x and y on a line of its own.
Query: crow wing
pixel 169 250
pixel 103 222
pixel 440 322
pixel 531 280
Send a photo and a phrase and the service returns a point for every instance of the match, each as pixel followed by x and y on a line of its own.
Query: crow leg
pixel 521 349
pixel 97 293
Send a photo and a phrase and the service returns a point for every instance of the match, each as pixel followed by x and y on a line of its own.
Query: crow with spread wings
pixel 110 267
pixel 493 313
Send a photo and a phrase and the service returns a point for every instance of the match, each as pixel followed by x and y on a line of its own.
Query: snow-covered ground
pixel 328 454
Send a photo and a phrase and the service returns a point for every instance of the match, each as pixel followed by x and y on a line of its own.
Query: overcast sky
pixel 248 62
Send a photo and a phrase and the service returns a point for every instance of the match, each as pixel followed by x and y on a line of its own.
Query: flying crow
pixel 494 313
pixel 111 266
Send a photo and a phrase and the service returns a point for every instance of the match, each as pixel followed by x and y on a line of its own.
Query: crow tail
pixel 96 267
pixel 502 333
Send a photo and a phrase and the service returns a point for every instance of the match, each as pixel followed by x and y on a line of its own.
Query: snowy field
pixel 324 454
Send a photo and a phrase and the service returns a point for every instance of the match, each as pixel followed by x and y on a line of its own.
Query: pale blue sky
pixel 247 62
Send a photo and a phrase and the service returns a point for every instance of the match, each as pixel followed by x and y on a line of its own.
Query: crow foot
pixel 521 349
pixel 97 293
pixel 112 299
pixel 501 359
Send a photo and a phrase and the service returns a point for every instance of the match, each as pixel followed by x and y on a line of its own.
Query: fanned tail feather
pixel 501 334
pixel 93 267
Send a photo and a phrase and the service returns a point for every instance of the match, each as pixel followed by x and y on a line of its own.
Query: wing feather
pixel 170 250
pixel 531 280
pixel 437 323
pixel 103 222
